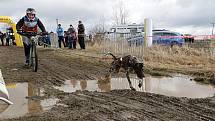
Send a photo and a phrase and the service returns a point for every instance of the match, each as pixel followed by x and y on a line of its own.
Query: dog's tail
pixel 114 57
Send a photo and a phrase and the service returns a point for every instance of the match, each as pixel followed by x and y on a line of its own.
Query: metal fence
pixel 118 44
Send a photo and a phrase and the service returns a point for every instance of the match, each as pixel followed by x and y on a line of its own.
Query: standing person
pixel 72 37
pixel 81 35
pixel 7 38
pixel 66 38
pixel 2 38
pixel 48 39
pixel 91 37
pixel 60 33
pixel 28 24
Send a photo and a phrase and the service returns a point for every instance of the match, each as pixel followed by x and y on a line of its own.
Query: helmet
pixel 30 11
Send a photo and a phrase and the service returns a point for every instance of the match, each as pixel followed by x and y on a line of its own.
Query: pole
pixel 148 32
pixel 212 28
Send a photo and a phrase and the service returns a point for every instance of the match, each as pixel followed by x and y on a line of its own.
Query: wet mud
pixel 57 66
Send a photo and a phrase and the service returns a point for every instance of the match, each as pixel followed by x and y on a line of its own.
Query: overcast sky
pixel 185 16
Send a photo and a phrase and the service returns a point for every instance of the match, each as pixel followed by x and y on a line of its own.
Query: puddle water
pixel 21 105
pixel 178 86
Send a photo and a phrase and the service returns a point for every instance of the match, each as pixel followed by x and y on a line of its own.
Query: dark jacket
pixel 81 30
pixel 72 33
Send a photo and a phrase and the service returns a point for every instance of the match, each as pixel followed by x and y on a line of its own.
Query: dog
pixel 129 64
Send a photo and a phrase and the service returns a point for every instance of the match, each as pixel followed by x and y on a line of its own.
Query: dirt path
pixel 55 67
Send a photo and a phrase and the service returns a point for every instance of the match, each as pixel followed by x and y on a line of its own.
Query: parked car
pixel 168 38
pixel 162 37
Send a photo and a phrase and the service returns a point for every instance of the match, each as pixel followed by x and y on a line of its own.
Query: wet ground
pixel 58 91
pixel 177 86
pixel 19 93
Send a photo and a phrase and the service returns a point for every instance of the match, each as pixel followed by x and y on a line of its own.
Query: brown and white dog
pixel 129 64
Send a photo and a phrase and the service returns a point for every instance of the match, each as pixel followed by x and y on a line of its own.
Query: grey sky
pixel 185 16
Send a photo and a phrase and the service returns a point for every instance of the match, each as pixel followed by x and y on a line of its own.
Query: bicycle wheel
pixel 34 58
pixel 30 56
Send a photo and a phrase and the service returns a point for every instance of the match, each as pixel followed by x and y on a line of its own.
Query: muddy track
pixel 126 105
pixel 56 66
pixel 153 106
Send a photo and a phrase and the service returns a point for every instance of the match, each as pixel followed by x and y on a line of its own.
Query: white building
pixel 127 28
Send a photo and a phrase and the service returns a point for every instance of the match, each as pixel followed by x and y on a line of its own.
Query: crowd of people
pixel 70 37
pixel 7 38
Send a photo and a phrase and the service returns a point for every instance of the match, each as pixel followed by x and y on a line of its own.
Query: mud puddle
pixel 22 105
pixel 178 86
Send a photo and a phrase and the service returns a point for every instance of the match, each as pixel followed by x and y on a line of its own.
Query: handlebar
pixel 32 33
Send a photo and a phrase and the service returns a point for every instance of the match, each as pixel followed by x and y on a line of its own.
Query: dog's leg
pixel 129 81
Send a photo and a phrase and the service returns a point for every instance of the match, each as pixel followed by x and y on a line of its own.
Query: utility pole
pixel 212 28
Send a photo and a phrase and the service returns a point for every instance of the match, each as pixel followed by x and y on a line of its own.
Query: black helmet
pixel 31 11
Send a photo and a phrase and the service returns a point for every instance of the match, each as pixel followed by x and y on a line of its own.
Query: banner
pixel 4 96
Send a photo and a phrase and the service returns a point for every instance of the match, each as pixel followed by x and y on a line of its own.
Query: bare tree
pixel 98 31
pixel 100 26
pixel 120 13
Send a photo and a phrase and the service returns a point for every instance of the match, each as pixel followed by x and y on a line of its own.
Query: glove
pixel 19 32
pixel 44 33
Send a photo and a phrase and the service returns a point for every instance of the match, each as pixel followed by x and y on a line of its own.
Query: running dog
pixel 129 64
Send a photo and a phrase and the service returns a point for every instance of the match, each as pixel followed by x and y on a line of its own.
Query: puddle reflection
pixel 178 86
pixel 22 106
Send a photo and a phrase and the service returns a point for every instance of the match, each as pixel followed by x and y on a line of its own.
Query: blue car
pixel 168 38
pixel 162 37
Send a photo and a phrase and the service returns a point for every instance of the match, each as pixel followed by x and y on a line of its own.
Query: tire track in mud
pixel 120 106
pixel 128 104
pixel 191 109
pixel 197 111
pixel 151 107
pixel 59 69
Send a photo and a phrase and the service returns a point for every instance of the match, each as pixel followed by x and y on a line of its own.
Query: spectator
pixel 47 41
pixel 81 34
pixel 66 38
pixel 91 38
pixel 72 37
pixel 2 38
pixel 60 35
pixel 8 37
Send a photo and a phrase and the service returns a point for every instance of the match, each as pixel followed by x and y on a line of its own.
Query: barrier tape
pixel 140 35
pixel 183 36
pixel 193 36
